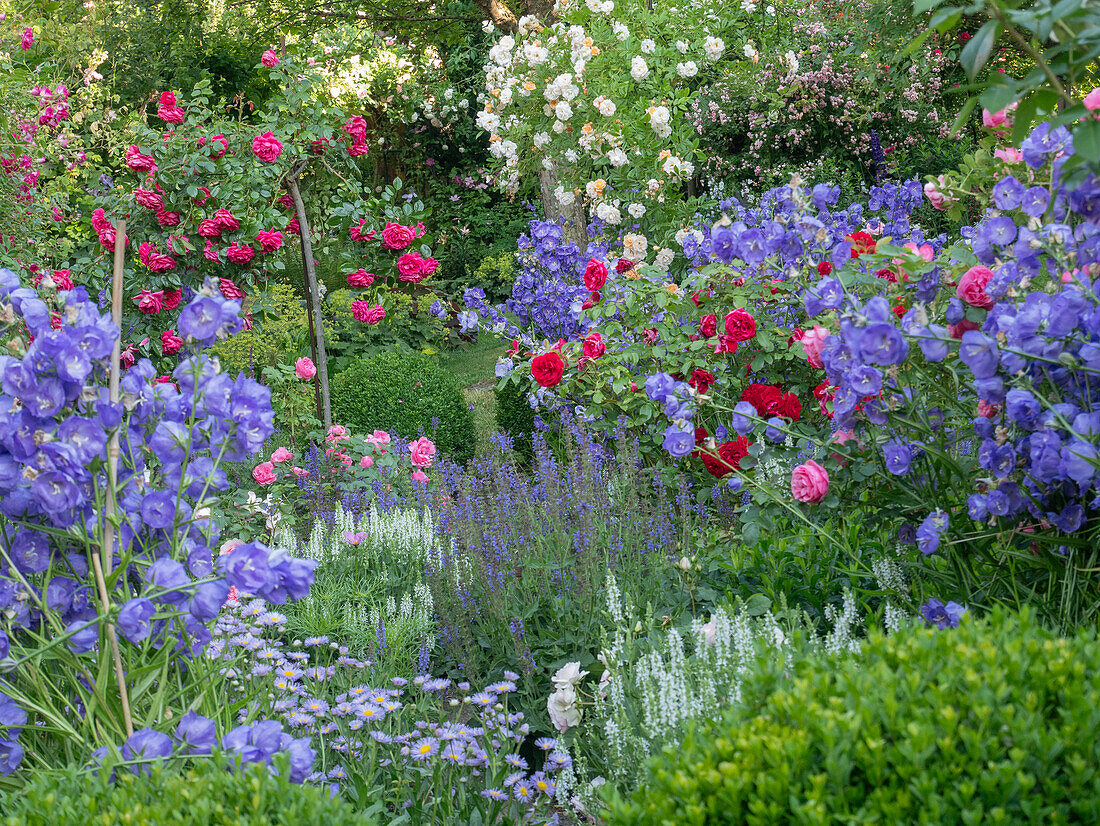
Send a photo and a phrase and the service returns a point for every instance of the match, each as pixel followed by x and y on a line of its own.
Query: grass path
pixel 472 367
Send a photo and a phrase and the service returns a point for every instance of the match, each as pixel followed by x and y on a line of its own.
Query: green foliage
pixel 280 331
pixel 408 324
pixel 992 722
pixel 403 392
pixel 477 243
pixel 515 417
pixel 204 795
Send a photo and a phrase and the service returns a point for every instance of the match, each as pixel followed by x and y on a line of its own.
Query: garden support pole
pixel 104 562
pixel 315 298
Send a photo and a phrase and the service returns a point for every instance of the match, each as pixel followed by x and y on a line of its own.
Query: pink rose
pixel 211 253
pixel 210 229
pixel 366 462
pixel 809 482
pixel 593 346
pixel 364 311
pixel 419 476
pixel 1092 100
pixel 812 343
pixel 971 287
pixel 27 40
pixel 988 410
pixel 304 368
pixel 281 455
pixel 240 254
pixel 229 289
pixel 356 128
pixel 139 162
pixel 150 303
pixel 266 147
pixel 270 239
pixel 1009 154
pixel 149 200
pixel 167 218
pixel 229 545
pixel 170 343
pixel 269 59
pixel 218 146
pixel 224 219
pixel 993 120
pixel 264 473
pixel 421 452
pixel 360 278
pixel 380 439
pixel 299 472
pixel 357 234
pixel 934 196
pixel 396 236
pixel 337 433
pixel 410 266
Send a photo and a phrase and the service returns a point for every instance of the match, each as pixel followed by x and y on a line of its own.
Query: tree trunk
pixel 571 217
pixel 499 13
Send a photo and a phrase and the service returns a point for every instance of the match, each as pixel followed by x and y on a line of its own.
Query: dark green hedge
pixel 993 722
pixel 402 392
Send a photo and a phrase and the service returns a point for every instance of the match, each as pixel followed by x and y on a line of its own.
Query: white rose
pixel 563 111
pixel 648 46
pixel 618 159
pixel 682 46
pixel 638 68
pixel 710 631
pixel 636 210
pixel 713 47
pixel 688 69
pixel 562 707
pixel 568 675
pixel 621 30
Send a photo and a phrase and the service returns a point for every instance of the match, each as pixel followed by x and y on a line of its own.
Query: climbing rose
pixel 595 275
pixel 594 346
pixel 360 278
pixel 270 239
pixel 397 237
pixel 230 290
pixel 266 147
pixel 239 254
pixel 269 59
pixel 364 311
pixel 170 343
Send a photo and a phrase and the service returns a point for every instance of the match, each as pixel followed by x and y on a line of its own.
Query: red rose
pixel 764 397
pixel 595 275
pixel 861 242
pixel 171 299
pixel 547 368
pixel 210 229
pixel 224 219
pixel 701 380
pixel 740 325
pixel 726 344
pixel 790 407
pixel 593 346
pixel 270 239
pixel 899 310
pixel 708 325
pixel 592 300
pixel 824 268
pixel 624 265
pixel 728 459
pixel 888 274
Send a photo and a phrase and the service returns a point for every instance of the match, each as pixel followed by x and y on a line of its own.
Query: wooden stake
pixel 103 563
pixel 315 298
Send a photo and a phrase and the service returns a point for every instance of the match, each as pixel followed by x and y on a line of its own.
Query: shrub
pixel 992 722
pixel 515 417
pixel 205 794
pixel 404 393
pixel 280 332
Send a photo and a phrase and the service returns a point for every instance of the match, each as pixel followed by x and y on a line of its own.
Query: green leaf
pixel 922 6
pixel 975 54
pixel 757 605
pixel 1086 140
